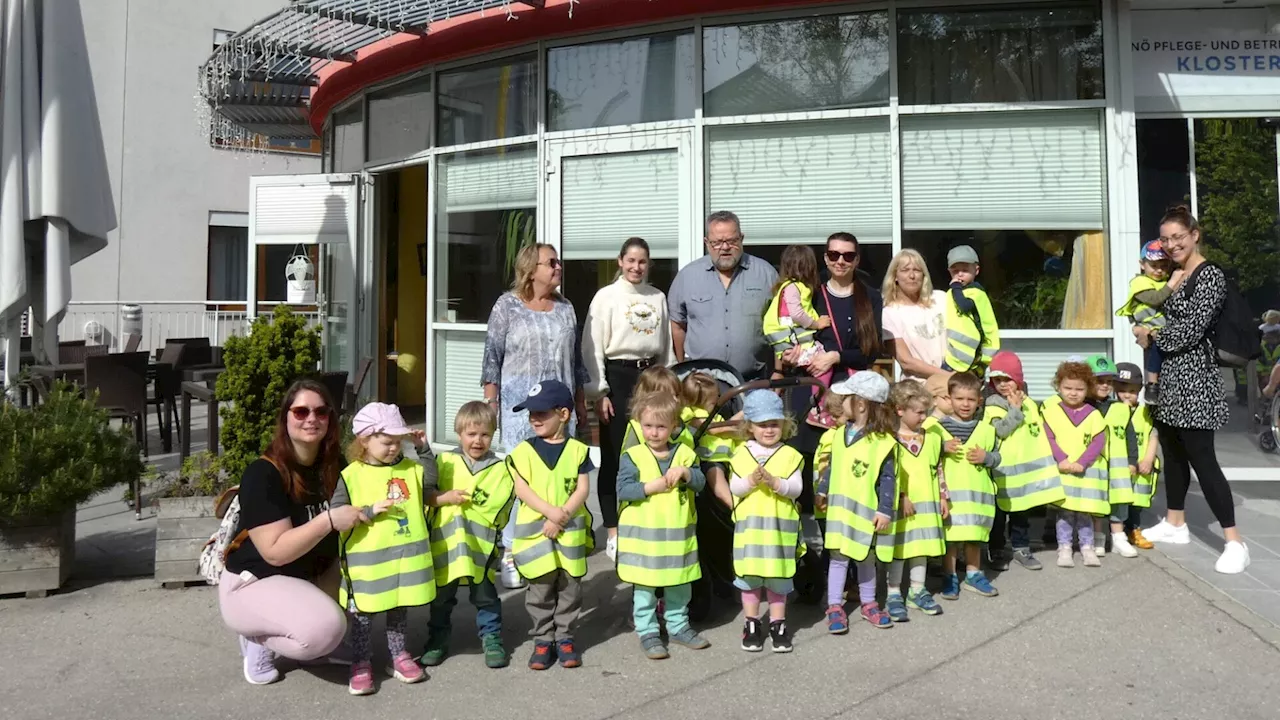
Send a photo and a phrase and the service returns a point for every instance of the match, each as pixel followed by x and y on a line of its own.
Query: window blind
pixel 459 357
pixel 1041 357
pixel 1003 171
pixel 605 199
pixel 498 181
pixel 800 182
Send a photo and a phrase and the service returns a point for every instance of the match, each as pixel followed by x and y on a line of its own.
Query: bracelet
pixel 332 527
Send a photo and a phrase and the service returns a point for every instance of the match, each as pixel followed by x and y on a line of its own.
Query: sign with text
pixel 1205 60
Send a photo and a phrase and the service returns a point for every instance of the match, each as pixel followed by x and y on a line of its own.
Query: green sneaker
pixel 495 655
pixel 436 651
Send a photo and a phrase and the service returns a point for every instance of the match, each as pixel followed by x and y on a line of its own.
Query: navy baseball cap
pixel 547 395
pixel 1129 373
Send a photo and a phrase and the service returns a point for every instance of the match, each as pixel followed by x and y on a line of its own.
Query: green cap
pixel 1101 365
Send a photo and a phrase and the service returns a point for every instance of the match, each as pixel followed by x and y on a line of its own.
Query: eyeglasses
pixel 553 263
pixel 302 412
pixel 848 257
pixel 721 244
pixel 1175 238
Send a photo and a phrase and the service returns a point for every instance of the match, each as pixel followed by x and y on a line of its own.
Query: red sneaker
pixel 361 679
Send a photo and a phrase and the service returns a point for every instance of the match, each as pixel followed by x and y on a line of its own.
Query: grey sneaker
pixel 511 578
pixel 259 663
pixel 690 639
pixel 653 647
pixel 1023 557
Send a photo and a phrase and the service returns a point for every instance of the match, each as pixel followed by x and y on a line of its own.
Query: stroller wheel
pixel 1267 440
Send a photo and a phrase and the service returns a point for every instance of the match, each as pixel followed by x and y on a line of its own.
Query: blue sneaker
pixel 896 608
pixel 921 600
pixel 950 587
pixel 977 582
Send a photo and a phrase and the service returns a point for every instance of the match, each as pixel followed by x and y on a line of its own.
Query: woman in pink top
pixel 914 316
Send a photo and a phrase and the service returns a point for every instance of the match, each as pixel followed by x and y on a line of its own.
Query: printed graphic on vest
pixel 398 493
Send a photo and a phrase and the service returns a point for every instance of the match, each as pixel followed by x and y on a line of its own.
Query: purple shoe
pixel 259 663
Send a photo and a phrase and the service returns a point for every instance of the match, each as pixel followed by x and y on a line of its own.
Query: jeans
pixel 645 608
pixel 484 596
pixel 1120 512
pixel 1019 525
pixel 1152 358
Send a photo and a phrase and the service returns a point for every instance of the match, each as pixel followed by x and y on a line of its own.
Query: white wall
pixel 165 177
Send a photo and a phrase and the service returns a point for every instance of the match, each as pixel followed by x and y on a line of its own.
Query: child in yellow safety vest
pixel 858 489
pixel 973 336
pixel 699 393
pixel 1078 435
pixel 765 479
pixel 553 527
pixel 1115 415
pixel 658 526
pixel 790 320
pixel 653 379
pixel 1148 291
pixel 969 447
pixel 472 505
pixel 922 501
pixel 386 563
pixel 1141 446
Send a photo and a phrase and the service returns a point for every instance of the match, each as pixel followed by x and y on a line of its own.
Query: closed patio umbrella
pixel 55 194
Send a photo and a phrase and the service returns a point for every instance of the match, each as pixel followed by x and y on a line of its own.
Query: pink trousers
pixel 292 617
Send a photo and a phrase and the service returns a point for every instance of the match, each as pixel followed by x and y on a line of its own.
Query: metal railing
pixel 105 323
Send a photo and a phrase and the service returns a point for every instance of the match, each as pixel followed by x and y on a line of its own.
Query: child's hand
pixel 1146 467
pixel 1176 277
pixel 653 487
pixel 907 508
pixel 953 445
pixel 550 530
pixel 453 497
pixel 976 455
pixel 775 482
pixel 382 506
pixel 1065 466
pixel 946 508
pixel 674 475
pixel 820 503
pixel 558 516
pixel 419 438
pixel 756 477
pixel 1076 468
pixel 822 323
pixel 1133 470
pixel 881 522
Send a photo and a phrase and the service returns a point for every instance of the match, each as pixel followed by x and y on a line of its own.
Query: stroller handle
pixel 763 384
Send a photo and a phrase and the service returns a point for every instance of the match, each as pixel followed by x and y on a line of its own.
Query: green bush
pixel 60 454
pixel 260 367
pixel 201 475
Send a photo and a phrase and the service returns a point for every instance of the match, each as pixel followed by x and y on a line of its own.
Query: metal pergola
pixel 258 83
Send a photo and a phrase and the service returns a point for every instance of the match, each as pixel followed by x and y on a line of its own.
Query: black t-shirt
pixel 264 500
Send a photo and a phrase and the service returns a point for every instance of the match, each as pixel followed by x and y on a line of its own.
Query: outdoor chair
pixel 70 351
pixel 353 389
pixel 168 385
pixel 121 382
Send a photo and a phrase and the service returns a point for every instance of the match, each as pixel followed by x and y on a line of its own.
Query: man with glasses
pixel 717 302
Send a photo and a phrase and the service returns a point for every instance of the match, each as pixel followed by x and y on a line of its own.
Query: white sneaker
pixel 1100 548
pixel 611 548
pixel 511 578
pixel 1234 559
pixel 1167 533
pixel 1121 546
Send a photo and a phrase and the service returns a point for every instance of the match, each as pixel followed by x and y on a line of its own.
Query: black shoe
pixel 779 636
pixel 998 560
pixel 753 635
pixel 1152 395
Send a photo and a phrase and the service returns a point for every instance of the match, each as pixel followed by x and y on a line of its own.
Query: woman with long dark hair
pixel 1193 403
pixel 279 591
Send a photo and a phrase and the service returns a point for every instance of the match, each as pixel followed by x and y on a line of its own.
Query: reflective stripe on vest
pixel 387 564
pixel 1088 492
pixel 657 536
pixel 972 492
pixel 1140 312
pixel 1144 486
pixel 1119 481
pixel 463 536
pixel 766 525
pixel 1027 476
pixel 965 343
pixel 711 447
pixel 535 554
pixel 777 326
pixel 921 534
pixel 851 497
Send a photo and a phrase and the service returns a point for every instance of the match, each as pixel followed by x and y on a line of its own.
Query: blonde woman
pixel 533 336
pixel 914 316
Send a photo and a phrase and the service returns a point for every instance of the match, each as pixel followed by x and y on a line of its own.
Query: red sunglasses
pixel 302 412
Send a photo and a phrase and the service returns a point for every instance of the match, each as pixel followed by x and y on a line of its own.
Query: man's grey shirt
pixel 724 323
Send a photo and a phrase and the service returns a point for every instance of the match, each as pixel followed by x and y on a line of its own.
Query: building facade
pixel 179 253
pixel 1051 136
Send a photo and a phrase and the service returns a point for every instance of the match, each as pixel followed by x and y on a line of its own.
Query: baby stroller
pixel 715 522
pixel 1267 423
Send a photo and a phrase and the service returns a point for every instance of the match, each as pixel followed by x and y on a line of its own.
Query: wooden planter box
pixel 36 555
pixel 183 526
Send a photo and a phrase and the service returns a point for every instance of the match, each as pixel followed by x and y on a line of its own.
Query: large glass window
pixel 489 102
pixel 348 139
pixel 1000 54
pixel 621 82
pixel 813 63
pixel 400 120
pixel 1026 191
pixel 1164 171
pixel 487 211
pixel 800 182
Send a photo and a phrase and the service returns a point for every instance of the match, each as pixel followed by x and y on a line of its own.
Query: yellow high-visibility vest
pixel 1119 481
pixel 1144 486
pixel 971 344
pixel 972 492
pixel 766 525
pixel 852 499
pixel 463 536
pixel 535 554
pixel 658 536
pixel 1089 491
pixel 1142 313
pixel 781 332
pixel 1027 476
pixel 921 534
pixel 387 564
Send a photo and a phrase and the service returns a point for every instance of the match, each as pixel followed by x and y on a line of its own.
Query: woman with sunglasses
pixel 532 337
pixel 279 591
pixel 1193 404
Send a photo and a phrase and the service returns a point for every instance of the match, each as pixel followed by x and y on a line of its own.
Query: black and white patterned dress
pixel 1191 390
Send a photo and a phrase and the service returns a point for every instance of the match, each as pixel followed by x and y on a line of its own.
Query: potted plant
pixel 53 457
pixel 185 516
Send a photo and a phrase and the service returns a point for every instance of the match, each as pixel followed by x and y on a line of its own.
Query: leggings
pixel 622 380
pixel 362 631
pixel 292 617
pixel 1187 449
pixel 916 571
pixel 838 575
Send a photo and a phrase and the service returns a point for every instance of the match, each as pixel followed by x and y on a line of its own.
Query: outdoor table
pixel 202 392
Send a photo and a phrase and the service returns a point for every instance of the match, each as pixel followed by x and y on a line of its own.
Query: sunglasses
pixel 848 257
pixel 553 263
pixel 302 412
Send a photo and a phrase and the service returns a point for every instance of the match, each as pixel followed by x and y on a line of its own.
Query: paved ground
pixel 1142 638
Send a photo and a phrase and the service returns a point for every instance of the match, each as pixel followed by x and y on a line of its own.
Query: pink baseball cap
pixel 377 418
